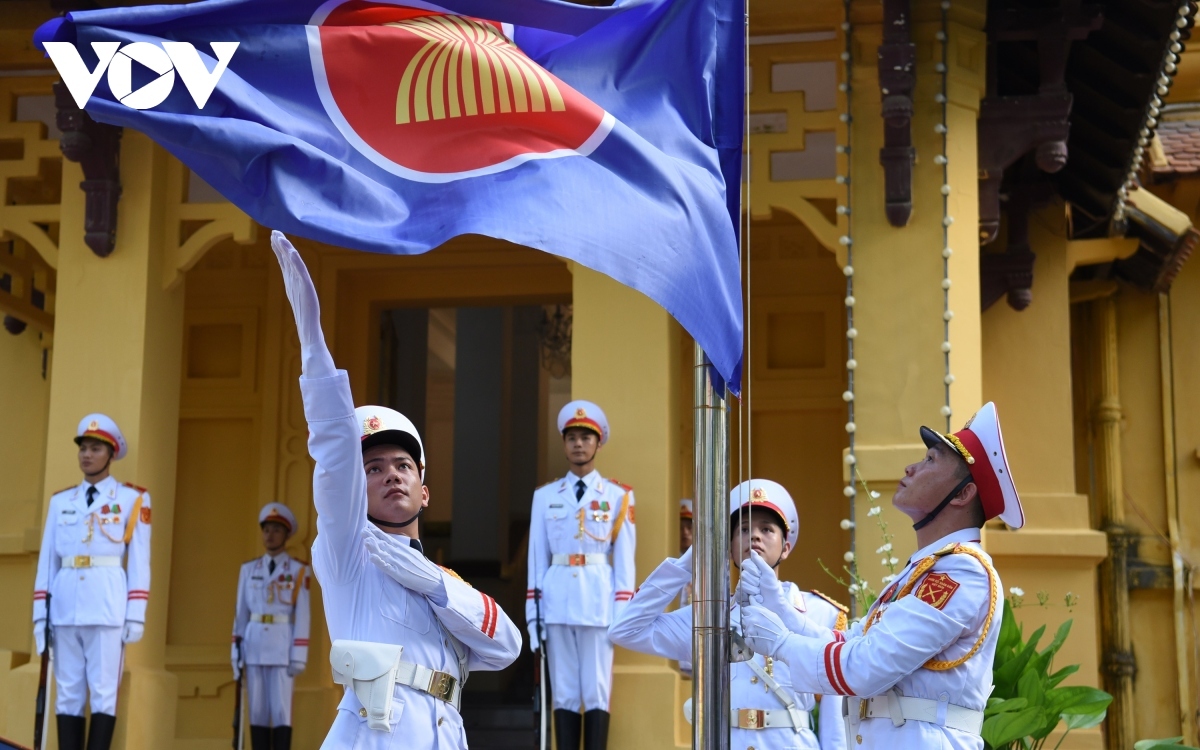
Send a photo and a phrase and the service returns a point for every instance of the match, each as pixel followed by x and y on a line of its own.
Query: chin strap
pixel 942 506
pixel 391 525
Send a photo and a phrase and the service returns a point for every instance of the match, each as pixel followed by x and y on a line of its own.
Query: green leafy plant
pixel 1175 743
pixel 1028 703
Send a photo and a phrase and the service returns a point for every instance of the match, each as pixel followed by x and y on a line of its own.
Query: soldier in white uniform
pixel 918 667
pixel 270 629
pixel 581 575
pixel 94 569
pixel 767 712
pixel 406 632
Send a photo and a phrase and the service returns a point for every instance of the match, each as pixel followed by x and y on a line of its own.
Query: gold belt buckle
pixel 578 560
pixel 862 708
pixel 752 718
pixel 441 686
pixel 268 619
pixel 83 561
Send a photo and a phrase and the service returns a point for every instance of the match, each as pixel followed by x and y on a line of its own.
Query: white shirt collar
pixel 962 535
pixel 588 480
pixel 279 558
pixel 100 486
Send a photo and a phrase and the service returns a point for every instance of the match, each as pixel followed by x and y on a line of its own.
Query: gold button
pixel 859 738
pixel 440 720
pixel 363 713
pixel 754 680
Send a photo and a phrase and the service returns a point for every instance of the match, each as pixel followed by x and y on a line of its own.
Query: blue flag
pixel 609 136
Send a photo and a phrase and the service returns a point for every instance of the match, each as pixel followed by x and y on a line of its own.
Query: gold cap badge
pixel 580 413
pixel 371 425
pixel 93 425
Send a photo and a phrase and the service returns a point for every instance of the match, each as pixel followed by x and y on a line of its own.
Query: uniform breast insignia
pixel 556 505
pixel 600 511
pixel 936 590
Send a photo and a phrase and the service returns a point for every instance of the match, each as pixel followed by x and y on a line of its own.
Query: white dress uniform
pixel 363 603
pixel 94 564
pixel 646 628
pixel 581 559
pixel 272 621
pixel 917 669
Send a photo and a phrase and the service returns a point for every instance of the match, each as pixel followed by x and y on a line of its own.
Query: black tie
pixel 271 567
pixel 91 495
pixel 416 544
pixel 580 488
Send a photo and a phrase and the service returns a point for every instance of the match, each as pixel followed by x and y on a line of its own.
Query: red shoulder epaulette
pixel 841 607
pixel 623 486
pixel 133 486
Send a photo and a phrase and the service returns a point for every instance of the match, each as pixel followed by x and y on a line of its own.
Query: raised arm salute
pixel 406 633
pixel 917 669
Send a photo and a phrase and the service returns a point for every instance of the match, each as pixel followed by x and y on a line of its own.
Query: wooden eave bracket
pixel 97 148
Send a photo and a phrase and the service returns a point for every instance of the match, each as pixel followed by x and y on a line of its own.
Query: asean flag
pixel 608 136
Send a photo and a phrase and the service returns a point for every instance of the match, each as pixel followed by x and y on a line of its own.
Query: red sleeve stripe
pixel 138 596
pixel 530 595
pixel 39 595
pixel 623 596
pixel 837 668
pixel 138 591
pixel 839 636
pixel 300 642
pixel 490 616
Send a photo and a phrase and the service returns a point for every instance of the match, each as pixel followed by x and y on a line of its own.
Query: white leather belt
pixel 759 718
pixel 91 561
pixel 579 560
pixel 441 685
pixel 921 709
pixel 271 619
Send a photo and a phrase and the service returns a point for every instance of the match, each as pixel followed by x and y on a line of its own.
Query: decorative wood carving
pixel 1011 273
pixel 1011 126
pixel 97 148
pixel 897 64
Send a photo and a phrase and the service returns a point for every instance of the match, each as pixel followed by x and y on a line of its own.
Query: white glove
pixel 294 668
pixel 39 635
pixel 235 660
pixel 763 630
pixel 315 359
pixel 534 642
pixel 405 565
pixel 133 631
pixel 760 585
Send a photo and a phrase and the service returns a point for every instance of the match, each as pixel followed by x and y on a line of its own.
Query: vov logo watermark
pixel 118 61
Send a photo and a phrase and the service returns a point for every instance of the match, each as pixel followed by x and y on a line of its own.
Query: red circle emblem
pixel 434 97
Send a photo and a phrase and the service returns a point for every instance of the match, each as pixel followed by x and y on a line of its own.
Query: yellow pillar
pixel 118 346
pixel 624 356
pixel 1027 372
pixel 898 271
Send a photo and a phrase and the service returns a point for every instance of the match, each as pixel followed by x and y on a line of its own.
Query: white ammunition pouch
pixel 369 669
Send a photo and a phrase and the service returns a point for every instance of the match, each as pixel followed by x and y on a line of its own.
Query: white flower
pixel 874 495
pixel 887 547
pixel 888 579
pixel 848 557
pixel 883 561
pixel 853 588
pixel 874 511
pixel 893 560
pixel 1016 591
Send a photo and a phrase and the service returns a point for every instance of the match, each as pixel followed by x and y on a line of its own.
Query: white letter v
pixel 80 81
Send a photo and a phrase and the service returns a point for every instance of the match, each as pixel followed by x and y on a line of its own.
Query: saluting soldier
pixel 270 629
pixel 94 568
pixel 767 711
pixel 917 669
pixel 581 574
pixel 405 631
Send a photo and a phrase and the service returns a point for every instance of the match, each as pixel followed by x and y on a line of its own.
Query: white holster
pixel 369 669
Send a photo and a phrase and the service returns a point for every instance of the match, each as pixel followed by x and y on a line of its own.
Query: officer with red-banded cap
pixel 406 632
pixel 270 629
pixel 767 712
pixel 581 575
pixel 917 669
pixel 94 567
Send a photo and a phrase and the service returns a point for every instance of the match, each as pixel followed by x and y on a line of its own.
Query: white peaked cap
pixel 380 425
pixel 278 513
pixel 685 508
pixel 768 495
pixel 981 445
pixel 584 414
pixel 102 427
